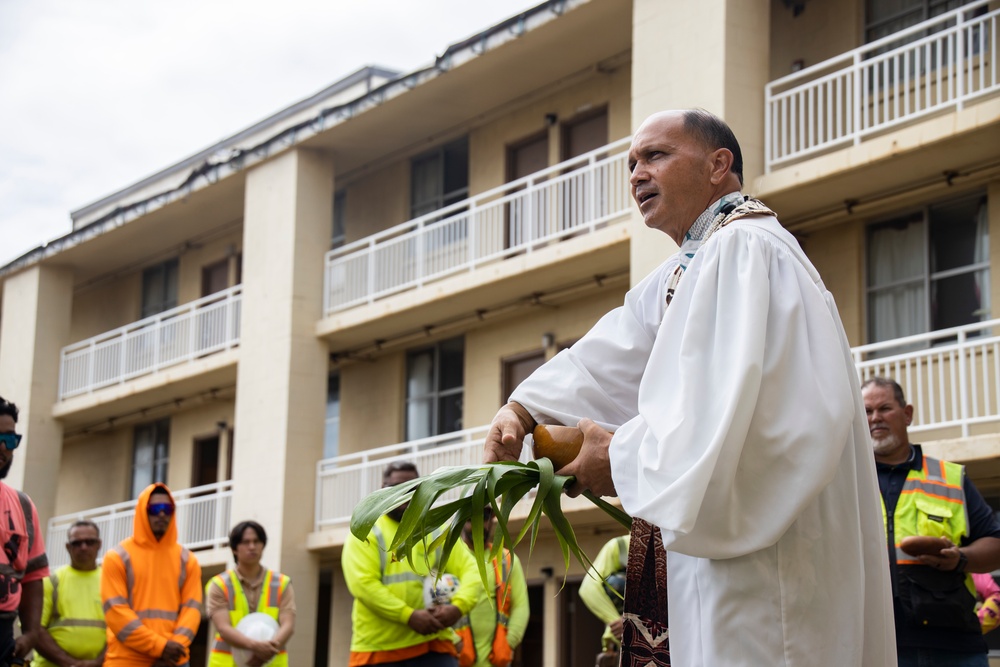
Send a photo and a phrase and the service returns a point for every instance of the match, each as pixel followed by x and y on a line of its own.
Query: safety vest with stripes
pixel 931 503
pixel 501 654
pixel 75 619
pixel 269 603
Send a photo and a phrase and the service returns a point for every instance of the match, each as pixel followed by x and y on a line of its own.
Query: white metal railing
pixel 203 515
pixel 938 64
pixel 951 376
pixel 572 197
pixel 210 324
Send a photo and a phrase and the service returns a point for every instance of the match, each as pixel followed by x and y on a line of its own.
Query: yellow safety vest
pixel 931 503
pixel 501 655
pixel 269 603
pixel 75 619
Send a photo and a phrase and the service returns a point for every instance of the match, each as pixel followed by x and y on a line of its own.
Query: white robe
pixel 740 432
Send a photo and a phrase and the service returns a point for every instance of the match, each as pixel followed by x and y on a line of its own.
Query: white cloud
pixel 96 95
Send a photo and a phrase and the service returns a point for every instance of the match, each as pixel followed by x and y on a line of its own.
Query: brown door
pixel 525 215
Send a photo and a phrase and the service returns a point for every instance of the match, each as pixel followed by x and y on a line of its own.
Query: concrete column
pixel 712 54
pixel 552 622
pixel 34 327
pixel 281 387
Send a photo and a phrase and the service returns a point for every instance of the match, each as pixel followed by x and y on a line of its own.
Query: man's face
pixel 250 548
pixel 160 517
pixel 671 174
pixel 83 544
pixel 394 478
pixel 7 425
pixel 887 421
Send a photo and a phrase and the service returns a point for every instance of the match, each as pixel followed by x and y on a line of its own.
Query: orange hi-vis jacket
pixel 151 591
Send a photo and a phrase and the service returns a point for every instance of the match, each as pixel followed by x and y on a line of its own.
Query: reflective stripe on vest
pixel 931 503
pixel 162 614
pixel 398 577
pixel 269 603
pixel 500 655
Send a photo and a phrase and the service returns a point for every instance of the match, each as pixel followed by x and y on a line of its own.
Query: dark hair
pixel 399 466
pixel 8 408
pixel 236 534
pixel 715 134
pixel 891 384
pixel 84 523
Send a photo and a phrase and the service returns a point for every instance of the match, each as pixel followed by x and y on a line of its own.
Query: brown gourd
pixel 559 444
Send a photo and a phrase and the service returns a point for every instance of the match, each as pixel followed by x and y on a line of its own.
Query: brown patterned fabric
pixel 646 637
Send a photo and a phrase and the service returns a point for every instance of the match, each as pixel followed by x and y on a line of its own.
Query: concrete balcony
pixel 184 350
pixel 203 517
pixel 938 65
pixel 951 376
pixel 552 228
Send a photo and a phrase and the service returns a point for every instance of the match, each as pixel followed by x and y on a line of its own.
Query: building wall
pixel 96 470
pixel 378 201
pixel 488 143
pixel 838 254
pixel 822 30
pixel 116 301
pixel 487 346
pixel 184 428
pixel 371 403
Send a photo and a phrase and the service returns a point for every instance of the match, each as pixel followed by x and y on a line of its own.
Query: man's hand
pixel 424 622
pixel 262 652
pixel 173 652
pixel 447 614
pixel 946 560
pixel 505 438
pixel 592 468
pixel 24 644
pixel 617 628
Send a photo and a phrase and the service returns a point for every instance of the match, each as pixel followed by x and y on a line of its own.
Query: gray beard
pixel 886 445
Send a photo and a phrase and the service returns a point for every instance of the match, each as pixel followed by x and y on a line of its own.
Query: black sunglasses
pixel 87 542
pixel 10 440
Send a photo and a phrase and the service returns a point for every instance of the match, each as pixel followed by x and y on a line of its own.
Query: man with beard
pixel 23 564
pixel 933 594
pixel 392 620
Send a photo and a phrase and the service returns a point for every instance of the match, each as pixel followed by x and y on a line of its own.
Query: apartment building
pixel 368 273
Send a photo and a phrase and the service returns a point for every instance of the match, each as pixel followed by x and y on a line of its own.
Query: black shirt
pixel 981 523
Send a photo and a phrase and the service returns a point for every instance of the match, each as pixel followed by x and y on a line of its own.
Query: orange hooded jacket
pixel 151 592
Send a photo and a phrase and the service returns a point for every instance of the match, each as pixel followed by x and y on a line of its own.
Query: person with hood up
pixel 151 589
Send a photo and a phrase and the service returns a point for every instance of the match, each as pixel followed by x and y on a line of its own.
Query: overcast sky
pixel 98 94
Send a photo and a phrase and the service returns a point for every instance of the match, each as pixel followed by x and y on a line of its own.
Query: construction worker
pixel 230 596
pixel 73 630
pixel 495 626
pixel 603 599
pixel 391 620
pixel 151 589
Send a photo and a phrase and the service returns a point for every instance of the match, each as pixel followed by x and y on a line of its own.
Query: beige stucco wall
pixel 96 470
pixel 838 254
pixel 488 143
pixel 378 200
pixel 487 346
pixel 371 403
pixel 823 30
pixel 109 304
pixel 184 428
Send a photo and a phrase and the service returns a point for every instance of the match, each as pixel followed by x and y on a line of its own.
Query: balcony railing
pixel 199 328
pixel 203 516
pixel 951 376
pixel 936 65
pixel 573 197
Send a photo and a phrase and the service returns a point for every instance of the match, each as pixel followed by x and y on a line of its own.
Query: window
pixel 150 455
pixel 439 178
pixel 886 17
pixel 159 288
pixel 929 270
pixel 339 236
pixel 434 378
pixel 331 434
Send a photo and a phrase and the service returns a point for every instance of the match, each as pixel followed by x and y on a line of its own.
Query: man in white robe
pixel 738 427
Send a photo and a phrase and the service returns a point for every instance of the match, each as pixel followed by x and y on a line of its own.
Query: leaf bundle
pixel 498 485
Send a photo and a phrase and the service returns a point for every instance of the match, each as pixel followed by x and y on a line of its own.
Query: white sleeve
pixel 598 378
pixel 745 405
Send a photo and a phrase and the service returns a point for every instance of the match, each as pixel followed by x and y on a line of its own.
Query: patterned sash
pixel 646 634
